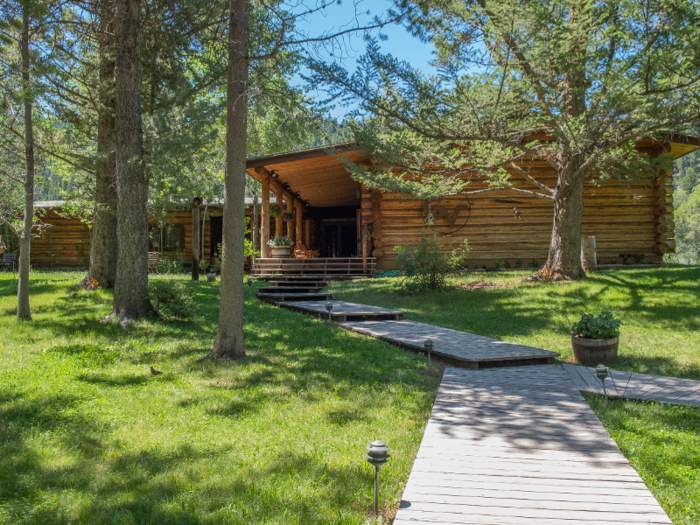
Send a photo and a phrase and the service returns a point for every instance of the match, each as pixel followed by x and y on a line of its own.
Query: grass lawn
pixel 660 311
pixel 87 435
pixel 663 444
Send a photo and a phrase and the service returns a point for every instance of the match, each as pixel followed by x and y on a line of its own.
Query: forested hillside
pixel 687 205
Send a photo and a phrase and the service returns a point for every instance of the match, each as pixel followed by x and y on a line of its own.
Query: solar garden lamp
pixel 377 455
pixel 428 345
pixel 250 281
pixel 602 372
pixel 329 308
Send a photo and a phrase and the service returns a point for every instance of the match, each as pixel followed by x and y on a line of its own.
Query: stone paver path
pixel 642 387
pixel 342 310
pixel 471 351
pixel 514 446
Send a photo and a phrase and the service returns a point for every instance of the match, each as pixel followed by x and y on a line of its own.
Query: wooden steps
pixel 326 268
pixel 277 298
pixel 300 288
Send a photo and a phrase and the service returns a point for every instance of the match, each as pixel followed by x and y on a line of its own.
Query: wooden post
pixel 195 238
pixel 290 224
pixel 364 250
pixel 307 233
pixel 279 223
pixel 265 218
pixel 300 220
pixel 588 254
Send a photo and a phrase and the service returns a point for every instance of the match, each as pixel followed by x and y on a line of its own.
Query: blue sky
pixel 400 43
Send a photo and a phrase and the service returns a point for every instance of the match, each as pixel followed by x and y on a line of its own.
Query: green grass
pixel 87 435
pixel 663 444
pixel 660 311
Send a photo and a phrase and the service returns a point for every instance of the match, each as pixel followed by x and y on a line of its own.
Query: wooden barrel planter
pixel 592 352
pixel 280 252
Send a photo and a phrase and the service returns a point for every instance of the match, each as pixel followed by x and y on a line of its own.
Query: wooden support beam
pixel 290 224
pixel 265 218
pixel 196 202
pixel 300 220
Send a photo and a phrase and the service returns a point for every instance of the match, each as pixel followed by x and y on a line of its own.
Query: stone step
pixel 276 298
pixel 307 277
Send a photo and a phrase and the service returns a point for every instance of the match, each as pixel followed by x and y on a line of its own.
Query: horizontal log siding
pixel 623 219
pixel 66 243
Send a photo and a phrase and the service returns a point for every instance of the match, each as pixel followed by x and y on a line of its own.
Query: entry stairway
pixel 321 269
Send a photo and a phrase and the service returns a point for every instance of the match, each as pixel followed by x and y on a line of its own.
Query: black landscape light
pixel 428 345
pixel 377 455
pixel 602 372
pixel 250 281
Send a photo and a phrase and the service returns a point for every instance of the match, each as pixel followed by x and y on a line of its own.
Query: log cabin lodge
pixel 631 223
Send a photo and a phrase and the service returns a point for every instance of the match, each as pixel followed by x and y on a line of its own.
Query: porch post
pixel 290 225
pixel 196 201
pixel 279 223
pixel 265 218
pixel 300 222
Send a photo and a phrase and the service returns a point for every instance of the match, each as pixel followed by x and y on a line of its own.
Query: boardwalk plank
pixel 521 446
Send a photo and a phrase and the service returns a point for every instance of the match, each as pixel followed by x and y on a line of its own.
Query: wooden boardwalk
pixel 465 349
pixel 342 310
pixel 514 446
pixel 641 387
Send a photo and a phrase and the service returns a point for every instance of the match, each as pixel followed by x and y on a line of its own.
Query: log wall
pixel 625 219
pixel 66 243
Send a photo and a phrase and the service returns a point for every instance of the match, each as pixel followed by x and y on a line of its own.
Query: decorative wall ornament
pixel 447 217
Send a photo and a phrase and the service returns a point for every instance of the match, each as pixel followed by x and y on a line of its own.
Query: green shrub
pixel 426 264
pixel 171 298
pixel 171 266
pixel 602 326
pixel 519 263
pixel 534 265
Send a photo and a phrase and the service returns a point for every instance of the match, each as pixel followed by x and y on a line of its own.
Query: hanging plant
pixel 275 210
pixel 287 216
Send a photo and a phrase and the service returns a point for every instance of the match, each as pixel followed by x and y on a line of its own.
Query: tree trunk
pixel 25 241
pixel 564 260
pixel 229 337
pixel 103 242
pixel 132 186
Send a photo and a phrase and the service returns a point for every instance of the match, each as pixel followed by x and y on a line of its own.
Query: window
pixel 171 237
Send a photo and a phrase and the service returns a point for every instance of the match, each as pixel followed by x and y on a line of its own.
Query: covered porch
pixel 317 205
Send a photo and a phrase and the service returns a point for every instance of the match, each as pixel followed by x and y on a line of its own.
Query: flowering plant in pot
pixel 595 338
pixel 288 216
pixel 280 247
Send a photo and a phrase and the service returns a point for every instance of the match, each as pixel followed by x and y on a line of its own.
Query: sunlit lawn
pixel 87 435
pixel 660 311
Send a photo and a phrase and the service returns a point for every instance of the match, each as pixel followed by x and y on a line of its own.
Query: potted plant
pixel 280 247
pixel 595 338
pixel 288 216
pixel 275 210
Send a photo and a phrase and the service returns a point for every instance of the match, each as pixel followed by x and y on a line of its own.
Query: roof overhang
pixel 318 175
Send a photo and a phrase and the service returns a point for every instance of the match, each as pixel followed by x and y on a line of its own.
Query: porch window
pixel 171 237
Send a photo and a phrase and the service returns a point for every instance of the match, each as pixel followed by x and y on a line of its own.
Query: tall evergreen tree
pixel 577 84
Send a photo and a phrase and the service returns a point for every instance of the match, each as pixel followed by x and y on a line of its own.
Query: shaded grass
pixel 662 443
pixel 88 436
pixel 660 311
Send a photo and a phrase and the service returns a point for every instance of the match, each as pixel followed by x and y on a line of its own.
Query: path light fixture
pixel 250 281
pixel 602 372
pixel 428 345
pixel 377 455
pixel 329 308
